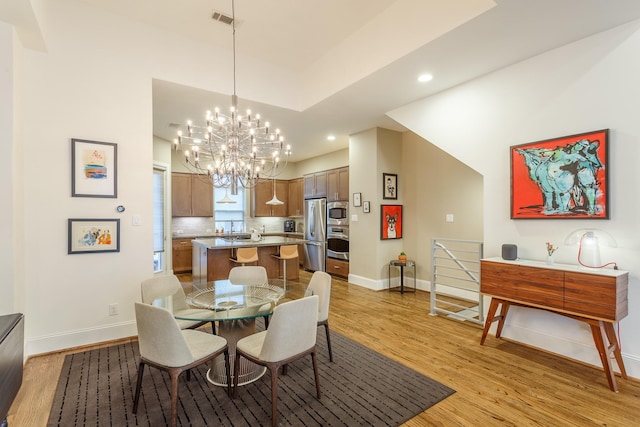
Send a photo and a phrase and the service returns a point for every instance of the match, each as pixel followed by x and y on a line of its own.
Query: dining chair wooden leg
pixel 136 397
pixel 227 369
pixel 236 372
pixel 174 374
pixel 326 329
pixel 315 372
pixel 274 394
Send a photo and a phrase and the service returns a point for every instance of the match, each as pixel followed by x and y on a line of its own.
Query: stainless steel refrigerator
pixel 315 231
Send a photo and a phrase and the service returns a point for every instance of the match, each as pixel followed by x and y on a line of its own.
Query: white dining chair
pixel 165 346
pixel 248 275
pixel 291 336
pixel 320 284
pixel 166 291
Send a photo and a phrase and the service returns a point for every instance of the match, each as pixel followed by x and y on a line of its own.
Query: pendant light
pixel 274 200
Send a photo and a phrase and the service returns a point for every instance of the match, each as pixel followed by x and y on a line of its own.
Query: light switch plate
pixel 449 218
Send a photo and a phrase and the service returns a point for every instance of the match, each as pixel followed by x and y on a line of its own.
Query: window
pixel 229 216
pixel 159 208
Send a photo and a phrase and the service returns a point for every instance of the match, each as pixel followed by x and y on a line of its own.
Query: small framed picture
pixel 390 186
pixel 390 222
pixel 366 207
pixel 93 235
pixel 357 199
pixel 94 169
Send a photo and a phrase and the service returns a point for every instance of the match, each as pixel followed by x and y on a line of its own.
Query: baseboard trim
pixel 79 338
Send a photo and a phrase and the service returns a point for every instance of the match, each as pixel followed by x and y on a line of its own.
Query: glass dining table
pixel 235 308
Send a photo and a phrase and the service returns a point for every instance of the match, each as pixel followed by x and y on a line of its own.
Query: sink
pixel 237 237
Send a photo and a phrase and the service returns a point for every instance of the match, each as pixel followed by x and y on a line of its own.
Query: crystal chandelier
pixel 233 149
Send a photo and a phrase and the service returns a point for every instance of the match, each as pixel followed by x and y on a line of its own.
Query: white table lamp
pixel 589 241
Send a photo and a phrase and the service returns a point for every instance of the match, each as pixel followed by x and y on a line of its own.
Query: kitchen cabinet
pixel 182 255
pixel 296 197
pixel 338 184
pixel 262 192
pixel 338 267
pixel 315 185
pixel 191 195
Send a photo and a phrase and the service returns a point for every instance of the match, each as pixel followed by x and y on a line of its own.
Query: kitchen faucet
pixel 231 226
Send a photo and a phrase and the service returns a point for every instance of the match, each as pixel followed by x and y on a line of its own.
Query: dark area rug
pixel 361 387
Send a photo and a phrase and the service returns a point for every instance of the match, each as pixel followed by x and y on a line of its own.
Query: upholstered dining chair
pixel 320 284
pixel 156 289
pixel 248 275
pixel 165 346
pixel 291 336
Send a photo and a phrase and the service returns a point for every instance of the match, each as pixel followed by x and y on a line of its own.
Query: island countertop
pixel 225 243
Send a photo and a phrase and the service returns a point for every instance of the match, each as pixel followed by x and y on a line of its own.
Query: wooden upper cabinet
pixel 201 196
pixel 296 197
pixel 338 184
pixel 180 194
pixel 262 192
pixel 315 185
pixel 191 195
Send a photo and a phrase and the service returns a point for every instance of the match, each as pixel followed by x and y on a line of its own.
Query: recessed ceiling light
pixel 425 78
pixel 331 138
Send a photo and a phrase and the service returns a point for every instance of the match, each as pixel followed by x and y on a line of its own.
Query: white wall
pixel 94 82
pixel 588 85
pixel 7 302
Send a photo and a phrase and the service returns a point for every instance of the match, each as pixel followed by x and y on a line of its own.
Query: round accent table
pixel 408 263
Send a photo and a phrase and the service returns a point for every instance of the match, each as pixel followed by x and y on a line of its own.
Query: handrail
pixel 453 257
pixel 455 285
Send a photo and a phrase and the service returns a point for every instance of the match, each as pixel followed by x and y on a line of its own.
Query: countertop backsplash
pixel 205 226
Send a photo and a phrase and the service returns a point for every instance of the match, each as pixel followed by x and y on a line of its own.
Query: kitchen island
pixel 211 257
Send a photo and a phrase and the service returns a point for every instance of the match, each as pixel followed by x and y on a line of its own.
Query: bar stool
pixel 286 252
pixel 245 255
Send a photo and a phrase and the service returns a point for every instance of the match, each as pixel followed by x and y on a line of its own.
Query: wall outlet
pixel 113 309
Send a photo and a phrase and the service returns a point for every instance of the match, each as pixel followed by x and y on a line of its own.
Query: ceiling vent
pixel 221 17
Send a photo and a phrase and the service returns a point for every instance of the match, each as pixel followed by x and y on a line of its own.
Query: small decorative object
pixel 550 250
pixel 357 199
pixel 93 235
pixel 402 257
pixel 120 209
pixel 366 208
pixel 561 178
pixel 94 169
pixel 390 186
pixel 390 222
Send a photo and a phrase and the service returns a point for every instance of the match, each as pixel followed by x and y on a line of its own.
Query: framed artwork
pixel 389 186
pixel 366 208
pixel 561 178
pixel 94 169
pixel 93 235
pixel 390 222
pixel 357 199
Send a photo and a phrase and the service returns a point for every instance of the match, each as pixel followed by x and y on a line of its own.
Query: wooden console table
pixel 597 297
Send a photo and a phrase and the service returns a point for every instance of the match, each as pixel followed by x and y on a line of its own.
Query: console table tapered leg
pixel 599 337
pixel 490 318
pixel 613 342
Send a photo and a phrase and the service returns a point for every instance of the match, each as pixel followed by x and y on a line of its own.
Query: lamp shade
pixel 589 241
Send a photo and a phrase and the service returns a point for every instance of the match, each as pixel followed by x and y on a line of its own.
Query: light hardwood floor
pixel 499 384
